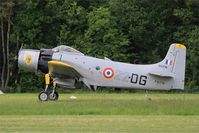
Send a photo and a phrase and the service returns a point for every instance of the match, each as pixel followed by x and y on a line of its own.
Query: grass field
pixel 99 112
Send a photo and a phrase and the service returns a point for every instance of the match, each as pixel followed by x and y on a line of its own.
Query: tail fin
pixel 173 66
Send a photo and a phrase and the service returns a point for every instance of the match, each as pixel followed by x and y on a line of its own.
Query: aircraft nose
pixel 28 59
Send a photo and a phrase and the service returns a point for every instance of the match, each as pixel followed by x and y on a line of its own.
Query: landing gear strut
pixel 49 95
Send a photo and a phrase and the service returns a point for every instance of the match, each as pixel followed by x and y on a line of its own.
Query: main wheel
pixel 54 96
pixel 43 96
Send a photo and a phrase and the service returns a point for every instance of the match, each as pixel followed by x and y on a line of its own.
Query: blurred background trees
pixel 135 31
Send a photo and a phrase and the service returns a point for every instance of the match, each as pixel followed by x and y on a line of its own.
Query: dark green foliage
pixel 188 33
pixel 102 38
pixel 125 30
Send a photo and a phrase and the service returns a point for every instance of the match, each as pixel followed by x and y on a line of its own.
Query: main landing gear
pixel 49 94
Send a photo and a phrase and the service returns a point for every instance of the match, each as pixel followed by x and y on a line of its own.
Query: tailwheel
pixel 43 96
pixel 53 96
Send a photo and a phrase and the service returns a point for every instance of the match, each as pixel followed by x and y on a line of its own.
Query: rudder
pixel 173 66
pixel 175 60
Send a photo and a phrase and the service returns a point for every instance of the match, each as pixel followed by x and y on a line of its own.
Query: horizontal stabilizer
pixel 169 75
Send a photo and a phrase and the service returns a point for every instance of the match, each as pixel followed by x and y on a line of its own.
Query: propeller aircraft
pixel 68 67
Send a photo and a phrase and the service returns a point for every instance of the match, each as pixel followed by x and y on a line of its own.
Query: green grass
pixel 96 123
pixel 99 112
pixel 101 104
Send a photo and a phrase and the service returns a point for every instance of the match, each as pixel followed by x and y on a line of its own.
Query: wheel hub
pixel 43 96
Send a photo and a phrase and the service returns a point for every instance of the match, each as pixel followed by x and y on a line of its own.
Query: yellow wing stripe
pixel 180 46
pixel 58 63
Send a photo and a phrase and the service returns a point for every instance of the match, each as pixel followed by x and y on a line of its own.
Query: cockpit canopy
pixel 66 49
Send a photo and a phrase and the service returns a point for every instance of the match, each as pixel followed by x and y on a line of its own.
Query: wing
pixel 66 71
pixel 58 68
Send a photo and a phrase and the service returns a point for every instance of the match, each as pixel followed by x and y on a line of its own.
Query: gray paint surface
pixel 165 75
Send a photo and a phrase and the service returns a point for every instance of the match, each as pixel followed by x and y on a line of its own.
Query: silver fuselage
pixel 71 67
pixel 125 75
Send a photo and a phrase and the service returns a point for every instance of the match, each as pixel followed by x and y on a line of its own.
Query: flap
pixel 61 68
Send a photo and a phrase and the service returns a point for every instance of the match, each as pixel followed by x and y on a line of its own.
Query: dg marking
pixel 138 79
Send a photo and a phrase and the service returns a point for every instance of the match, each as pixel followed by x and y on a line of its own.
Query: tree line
pixel 134 31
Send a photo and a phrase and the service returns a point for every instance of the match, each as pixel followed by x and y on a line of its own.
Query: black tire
pixel 54 97
pixel 43 96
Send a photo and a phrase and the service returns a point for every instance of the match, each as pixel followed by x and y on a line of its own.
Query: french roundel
pixel 108 73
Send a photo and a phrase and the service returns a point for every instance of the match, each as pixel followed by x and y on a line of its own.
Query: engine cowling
pixel 34 60
pixel 28 59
